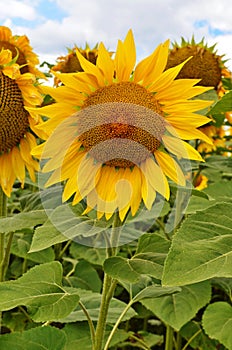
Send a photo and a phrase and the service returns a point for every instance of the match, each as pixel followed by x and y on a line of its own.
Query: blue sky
pixel 54 25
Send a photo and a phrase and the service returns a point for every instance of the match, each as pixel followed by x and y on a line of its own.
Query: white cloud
pixel 19 9
pixel 152 22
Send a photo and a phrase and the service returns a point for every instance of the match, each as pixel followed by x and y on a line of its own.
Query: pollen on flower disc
pixel 121 124
pixel 13 117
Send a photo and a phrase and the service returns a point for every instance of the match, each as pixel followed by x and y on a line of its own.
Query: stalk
pixel 3 213
pixel 109 285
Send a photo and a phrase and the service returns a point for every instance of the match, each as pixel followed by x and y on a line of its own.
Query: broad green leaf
pixel 148 260
pixel 47 199
pixel 155 291
pixel 93 255
pixel 192 330
pixel 22 220
pixel 83 340
pixel 217 322
pixel 153 242
pixel 201 248
pixel 224 284
pixel 179 308
pixel 88 275
pixel 121 269
pixel 217 192
pixel 40 338
pixel 223 105
pixel 92 302
pixel 149 340
pixel 21 244
pixel 40 290
pixel 65 222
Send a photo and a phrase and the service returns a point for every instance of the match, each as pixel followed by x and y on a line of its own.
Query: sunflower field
pixel 115 197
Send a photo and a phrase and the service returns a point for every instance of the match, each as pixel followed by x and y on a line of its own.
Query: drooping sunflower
pixel 20 47
pixel 71 64
pixel 17 91
pixel 116 128
pixel 205 64
pixel 211 69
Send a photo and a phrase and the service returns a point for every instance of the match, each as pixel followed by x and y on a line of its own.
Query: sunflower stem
pixel 109 285
pixel 3 213
pixel 169 338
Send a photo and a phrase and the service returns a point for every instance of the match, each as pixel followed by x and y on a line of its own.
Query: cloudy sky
pixel 54 25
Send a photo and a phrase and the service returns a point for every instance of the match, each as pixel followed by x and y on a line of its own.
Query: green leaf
pixel 40 338
pixel 41 292
pixel 223 105
pixel 148 260
pixel 224 284
pixel 155 291
pixel 192 330
pixel 178 308
pixel 21 244
pixel 65 222
pixel 95 256
pixel 217 322
pixel 201 248
pixel 83 340
pixel 92 302
pixel 121 269
pixel 22 220
pixel 88 275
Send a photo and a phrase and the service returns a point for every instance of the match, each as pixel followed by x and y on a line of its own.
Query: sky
pixel 54 25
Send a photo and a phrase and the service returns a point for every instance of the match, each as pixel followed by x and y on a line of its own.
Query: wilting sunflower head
pixel 20 48
pixel 205 64
pixel 17 91
pixel 71 64
pixel 118 130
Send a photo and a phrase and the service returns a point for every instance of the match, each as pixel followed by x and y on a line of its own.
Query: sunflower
pixel 20 48
pixel 205 64
pixel 16 139
pixel 117 130
pixel 70 63
pixel 200 182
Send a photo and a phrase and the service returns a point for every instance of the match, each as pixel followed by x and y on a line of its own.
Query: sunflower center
pixel 121 124
pixel 21 60
pixel 13 117
pixel 203 65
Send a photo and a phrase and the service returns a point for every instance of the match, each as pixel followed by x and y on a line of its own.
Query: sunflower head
pixel 70 63
pixel 205 64
pixel 17 92
pixel 20 49
pixel 121 129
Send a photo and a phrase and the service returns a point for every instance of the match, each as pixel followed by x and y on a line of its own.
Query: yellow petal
pixel 134 178
pixel 185 105
pixel 7 176
pixel 180 148
pixel 181 88
pixel 155 177
pixel 125 58
pixel 147 191
pixel 90 68
pixel 87 176
pixel 64 92
pixel 187 134
pixel 170 167
pixel 152 66
pixel 105 63
pixel 18 164
pixel 187 120
pixel 166 78
pixel 72 80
